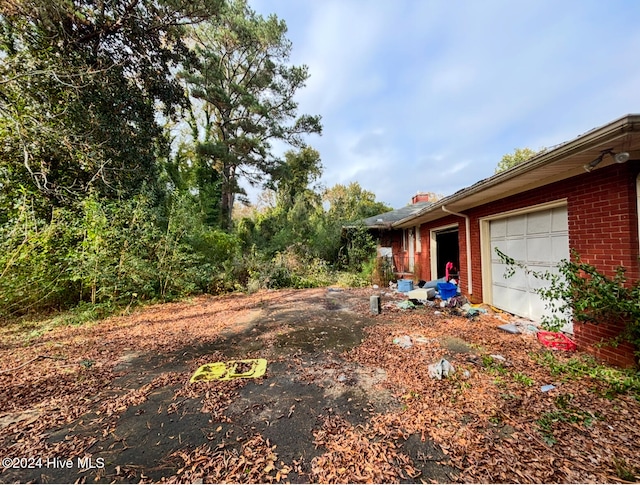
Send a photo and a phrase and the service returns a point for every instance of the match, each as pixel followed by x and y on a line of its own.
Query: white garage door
pixel 537 239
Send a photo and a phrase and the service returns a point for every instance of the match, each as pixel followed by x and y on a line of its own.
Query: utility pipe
pixel 467 234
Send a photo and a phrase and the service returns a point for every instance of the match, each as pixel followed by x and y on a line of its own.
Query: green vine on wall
pixel 578 290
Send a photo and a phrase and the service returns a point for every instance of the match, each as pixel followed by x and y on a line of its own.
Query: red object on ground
pixel 557 340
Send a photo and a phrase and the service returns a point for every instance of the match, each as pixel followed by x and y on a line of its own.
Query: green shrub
pixel 579 291
pixel 110 252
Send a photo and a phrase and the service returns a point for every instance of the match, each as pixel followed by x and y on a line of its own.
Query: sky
pixel 427 96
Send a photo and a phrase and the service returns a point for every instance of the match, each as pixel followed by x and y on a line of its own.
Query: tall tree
pixel 294 178
pixel 348 203
pixel 518 156
pixel 245 86
pixel 80 82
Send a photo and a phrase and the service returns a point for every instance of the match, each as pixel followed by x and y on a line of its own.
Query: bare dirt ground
pixel 340 402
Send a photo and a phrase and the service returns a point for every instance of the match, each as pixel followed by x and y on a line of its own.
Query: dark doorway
pixel 447 249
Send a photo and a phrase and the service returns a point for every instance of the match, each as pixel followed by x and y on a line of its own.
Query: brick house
pixel 583 195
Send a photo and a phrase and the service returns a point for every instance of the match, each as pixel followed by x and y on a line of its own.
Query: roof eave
pixel 626 124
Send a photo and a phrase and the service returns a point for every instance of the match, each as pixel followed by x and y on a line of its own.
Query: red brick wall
pixel 603 220
pixel 400 257
pixel 603 229
pixel 593 339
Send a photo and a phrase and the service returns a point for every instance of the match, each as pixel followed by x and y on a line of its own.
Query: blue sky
pixel 429 95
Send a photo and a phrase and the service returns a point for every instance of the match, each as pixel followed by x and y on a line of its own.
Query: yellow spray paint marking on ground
pixel 234 369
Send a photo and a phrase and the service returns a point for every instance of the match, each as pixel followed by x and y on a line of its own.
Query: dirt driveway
pixel 146 421
pixel 340 401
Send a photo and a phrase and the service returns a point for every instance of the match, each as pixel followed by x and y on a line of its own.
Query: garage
pixel 537 239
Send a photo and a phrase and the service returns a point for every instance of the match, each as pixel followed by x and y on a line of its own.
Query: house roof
pixel 387 219
pixel 557 163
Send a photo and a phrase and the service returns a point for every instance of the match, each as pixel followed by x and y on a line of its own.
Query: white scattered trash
pixel 441 369
pixel 498 357
pixel 422 294
pixel 509 328
pixel 404 342
pixel 547 388
pixel 423 340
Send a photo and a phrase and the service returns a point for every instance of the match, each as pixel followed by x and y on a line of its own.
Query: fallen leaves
pixel 358 455
pixel 489 418
pixel 254 462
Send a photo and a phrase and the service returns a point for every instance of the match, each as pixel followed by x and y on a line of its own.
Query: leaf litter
pixel 489 418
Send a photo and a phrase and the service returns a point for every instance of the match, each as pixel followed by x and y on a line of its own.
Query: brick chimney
pixel 420 197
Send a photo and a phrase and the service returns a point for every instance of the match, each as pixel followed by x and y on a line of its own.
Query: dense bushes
pixel 115 252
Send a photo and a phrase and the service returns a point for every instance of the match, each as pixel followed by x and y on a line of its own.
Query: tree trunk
pixel 228 196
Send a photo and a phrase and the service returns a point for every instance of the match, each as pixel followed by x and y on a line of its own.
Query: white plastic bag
pixel 441 369
pixel 404 342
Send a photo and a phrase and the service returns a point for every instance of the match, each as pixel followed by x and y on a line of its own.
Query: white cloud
pixel 406 88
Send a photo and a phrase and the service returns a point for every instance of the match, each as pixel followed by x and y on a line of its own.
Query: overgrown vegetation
pixel 578 290
pixel 104 203
pixel 614 380
pixel 564 412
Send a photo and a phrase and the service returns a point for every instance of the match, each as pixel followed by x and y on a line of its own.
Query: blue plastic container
pixel 447 290
pixel 405 286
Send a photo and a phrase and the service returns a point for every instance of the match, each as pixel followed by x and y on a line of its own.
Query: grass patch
pixel 523 379
pixel 28 329
pixel 623 470
pixel 493 366
pixel 617 381
pixel 565 412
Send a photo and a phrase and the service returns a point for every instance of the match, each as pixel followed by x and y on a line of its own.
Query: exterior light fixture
pixel 617 157
pixel 621 157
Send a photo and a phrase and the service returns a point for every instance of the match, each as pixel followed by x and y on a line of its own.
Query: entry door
pixel 539 240
pixel 447 250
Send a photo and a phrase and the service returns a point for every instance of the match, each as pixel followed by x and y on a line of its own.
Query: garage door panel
pixel 537 306
pixel 539 223
pixel 498 271
pixel 499 228
pixel 559 220
pixel 515 226
pixel 501 245
pixel 539 240
pixel 513 300
pixel 518 280
pixel 539 249
pixel 517 249
pixel 534 283
pixel 559 247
